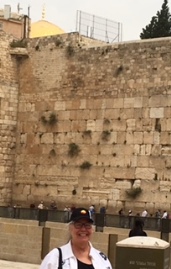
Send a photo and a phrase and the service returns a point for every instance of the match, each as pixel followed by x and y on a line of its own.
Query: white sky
pixel 133 14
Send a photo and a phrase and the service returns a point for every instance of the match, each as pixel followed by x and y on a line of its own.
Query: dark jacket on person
pixel 138 229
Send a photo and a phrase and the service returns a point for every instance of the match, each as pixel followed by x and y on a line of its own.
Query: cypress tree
pixel 160 25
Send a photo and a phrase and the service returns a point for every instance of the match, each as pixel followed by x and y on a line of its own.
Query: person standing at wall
pixel 158 218
pixel 92 211
pixel 165 215
pixel 41 205
pixel 53 205
pixel 137 229
pixel 144 213
pixel 130 214
pixel 67 213
pixel 78 253
pixel 121 218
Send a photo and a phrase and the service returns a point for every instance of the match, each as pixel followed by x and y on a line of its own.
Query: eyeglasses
pixel 79 225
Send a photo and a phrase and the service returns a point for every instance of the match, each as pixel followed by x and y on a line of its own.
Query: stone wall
pixel 24 241
pixel 112 102
pixel 20 241
pixel 8 120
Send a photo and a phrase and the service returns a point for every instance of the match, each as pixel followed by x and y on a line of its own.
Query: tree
pixel 160 25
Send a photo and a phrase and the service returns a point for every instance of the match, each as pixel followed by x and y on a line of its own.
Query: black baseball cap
pixel 80 213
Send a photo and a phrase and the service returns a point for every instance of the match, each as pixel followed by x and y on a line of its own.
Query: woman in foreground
pixel 79 252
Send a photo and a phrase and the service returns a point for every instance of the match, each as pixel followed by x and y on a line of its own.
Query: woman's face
pixel 81 231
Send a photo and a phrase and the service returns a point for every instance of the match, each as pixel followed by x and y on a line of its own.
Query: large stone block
pixel 145 173
pixel 138 137
pixel 91 125
pixel 60 105
pixel 138 102
pixel 158 101
pixel 128 102
pixel 157 112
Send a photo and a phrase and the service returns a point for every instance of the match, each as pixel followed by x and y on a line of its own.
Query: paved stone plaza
pixel 17 265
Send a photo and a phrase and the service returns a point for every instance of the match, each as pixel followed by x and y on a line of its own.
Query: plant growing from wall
pixel 133 192
pixel 70 50
pixel 119 70
pixel 85 165
pixel 51 120
pixel 44 120
pixel 87 133
pixel 58 42
pixel 73 150
pixel 105 135
pixel 52 153
pixel 106 121
pixel 18 43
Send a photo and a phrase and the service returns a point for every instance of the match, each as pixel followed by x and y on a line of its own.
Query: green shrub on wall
pixel 133 192
pixel 106 121
pixel 73 150
pixel 52 153
pixel 51 120
pixel 18 43
pixel 58 42
pixel 87 133
pixel 85 165
pixel 70 50
pixel 105 135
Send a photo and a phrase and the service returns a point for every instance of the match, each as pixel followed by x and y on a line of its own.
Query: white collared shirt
pixel 99 260
pixel 164 215
pixel 144 213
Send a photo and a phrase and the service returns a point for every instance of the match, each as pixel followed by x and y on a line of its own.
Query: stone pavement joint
pixel 17 265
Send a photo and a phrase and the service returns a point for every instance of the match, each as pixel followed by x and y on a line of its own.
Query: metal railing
pixel 101 220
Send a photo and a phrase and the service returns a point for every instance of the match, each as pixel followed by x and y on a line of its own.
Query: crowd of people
pixel 102 210
pixel 145 214
pixel 41 205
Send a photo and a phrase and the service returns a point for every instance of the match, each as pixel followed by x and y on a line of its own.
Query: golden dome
pixel 44 28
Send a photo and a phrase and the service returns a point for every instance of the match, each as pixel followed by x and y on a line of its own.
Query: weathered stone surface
pixel 157 112
pixel 119 119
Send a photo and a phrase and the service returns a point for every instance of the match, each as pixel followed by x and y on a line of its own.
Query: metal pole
pixel 121 31
pixel 80 23
pixel 118 31
pixel 28 25
pixel 24 33
pixel 106 37
pixel 76 21
pixel 92 32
